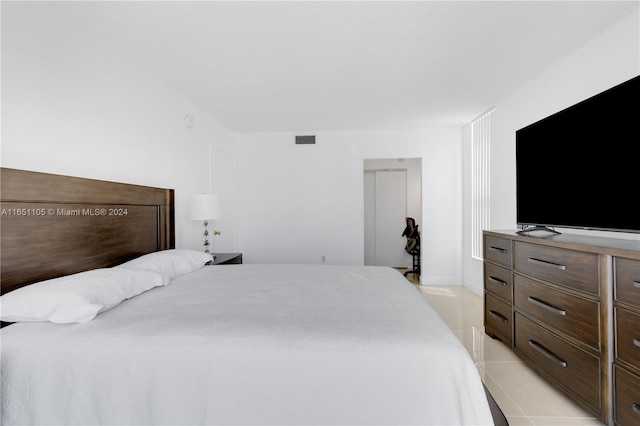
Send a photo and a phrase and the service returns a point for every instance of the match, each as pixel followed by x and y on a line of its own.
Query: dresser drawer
pixel 572 315
pixel 498 319
pixel 497 280
pixel 574 269
pixel 497 250
pixel 628 337
pixel 627 281
pixel 626 397
pixel 572 368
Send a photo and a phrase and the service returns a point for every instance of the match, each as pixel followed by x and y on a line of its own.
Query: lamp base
pixel 206 236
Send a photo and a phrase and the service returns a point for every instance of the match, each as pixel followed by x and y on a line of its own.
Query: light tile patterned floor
pixel 524 397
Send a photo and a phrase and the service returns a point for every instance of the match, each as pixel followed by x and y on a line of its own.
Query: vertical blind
pixel 480 180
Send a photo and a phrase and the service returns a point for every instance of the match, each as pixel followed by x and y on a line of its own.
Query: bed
pixel 193 343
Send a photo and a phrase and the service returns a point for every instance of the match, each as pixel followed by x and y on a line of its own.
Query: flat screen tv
pixel 580 167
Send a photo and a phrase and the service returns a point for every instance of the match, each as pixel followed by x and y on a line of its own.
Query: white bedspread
pixel 248 344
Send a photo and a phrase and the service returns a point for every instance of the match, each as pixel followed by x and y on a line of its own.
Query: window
pixel 480 180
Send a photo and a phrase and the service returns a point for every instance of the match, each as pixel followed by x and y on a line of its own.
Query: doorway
pixel 392 191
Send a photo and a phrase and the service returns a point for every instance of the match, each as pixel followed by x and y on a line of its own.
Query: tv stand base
pixel 527 229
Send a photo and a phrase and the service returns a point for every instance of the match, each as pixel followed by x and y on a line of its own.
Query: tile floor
pixel 525 399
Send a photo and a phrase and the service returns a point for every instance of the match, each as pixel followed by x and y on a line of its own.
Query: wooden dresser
pixel 569 306
pixel 627 340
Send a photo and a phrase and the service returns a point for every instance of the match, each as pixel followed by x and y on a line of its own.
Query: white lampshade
pixel 204 207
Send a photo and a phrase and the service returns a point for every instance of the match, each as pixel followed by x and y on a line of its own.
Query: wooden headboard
pixel 53 225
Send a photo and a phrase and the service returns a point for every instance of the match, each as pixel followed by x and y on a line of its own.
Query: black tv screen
pixel 580 167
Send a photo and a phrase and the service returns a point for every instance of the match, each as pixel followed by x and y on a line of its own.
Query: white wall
pixel 297 203
pixel 74 104
pixel 601 63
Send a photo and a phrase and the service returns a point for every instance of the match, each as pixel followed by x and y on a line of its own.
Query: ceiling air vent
pixel 305 140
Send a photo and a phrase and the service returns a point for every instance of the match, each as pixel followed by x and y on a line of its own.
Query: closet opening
pixel 392 192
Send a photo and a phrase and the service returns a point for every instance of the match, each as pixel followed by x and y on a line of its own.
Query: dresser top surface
pixel 629 248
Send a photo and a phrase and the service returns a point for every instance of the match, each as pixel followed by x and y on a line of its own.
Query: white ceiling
pixel 337 65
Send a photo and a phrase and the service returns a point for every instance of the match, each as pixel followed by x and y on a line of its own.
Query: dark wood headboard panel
pixel 54 225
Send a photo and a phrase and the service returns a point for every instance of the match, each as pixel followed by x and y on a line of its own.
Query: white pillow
pixel 78 297
pixel 173 262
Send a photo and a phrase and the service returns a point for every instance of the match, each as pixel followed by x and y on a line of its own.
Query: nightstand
pixel 226 259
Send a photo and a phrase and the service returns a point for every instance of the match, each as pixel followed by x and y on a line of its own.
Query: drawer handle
pixel 636 342
pixel 547 264
pixel 546 306
pixel 497 315
pixel 636 408
pixel 498 249
pixel 636 284
pixel 497 281
pixel 538 347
